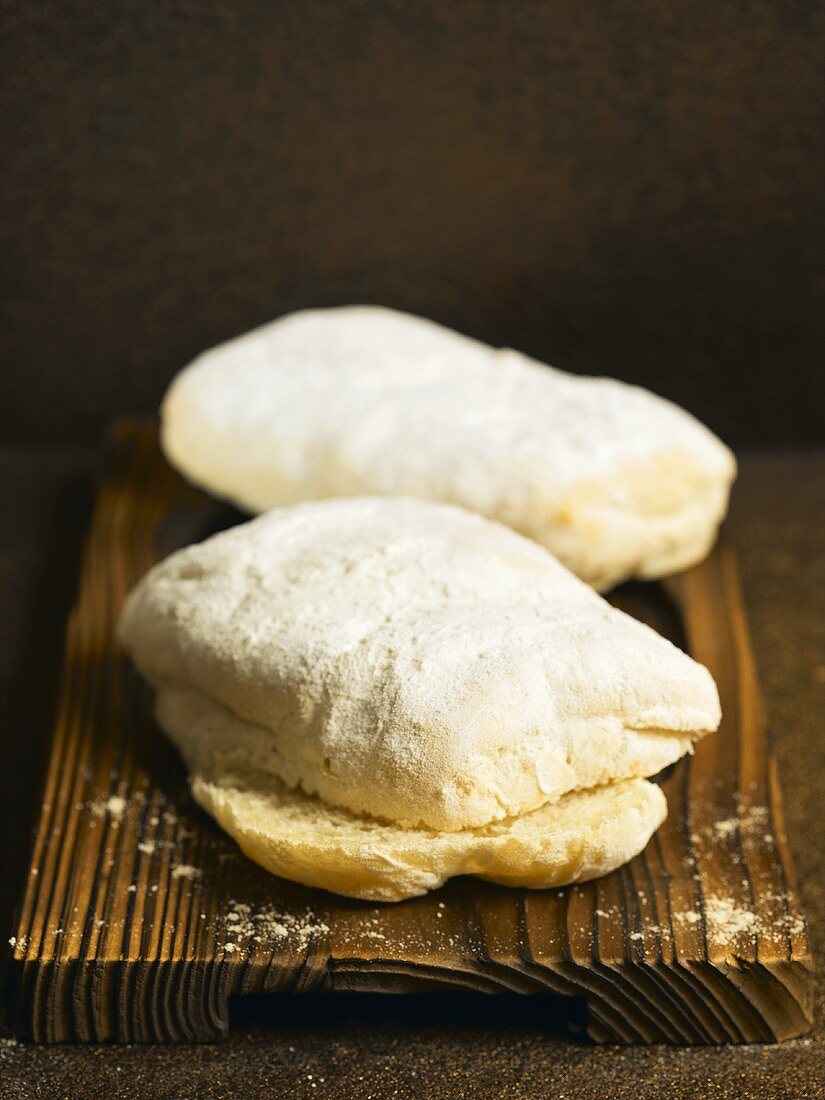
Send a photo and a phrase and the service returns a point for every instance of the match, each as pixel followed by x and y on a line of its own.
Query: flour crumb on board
pixel 727 918
pixel 186 870
pixel 691 916
pixel 115 807
pixel 244 925
pixel 748 825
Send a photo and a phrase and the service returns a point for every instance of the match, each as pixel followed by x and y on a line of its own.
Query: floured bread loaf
pixel 365 401
pixel 372 668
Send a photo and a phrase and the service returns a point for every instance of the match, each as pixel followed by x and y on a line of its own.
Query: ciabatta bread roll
pixel 372 676
pixel 354 401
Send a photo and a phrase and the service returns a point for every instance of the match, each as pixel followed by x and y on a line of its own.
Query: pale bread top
pixel 300 837
pixel 415 661
pixel 362 400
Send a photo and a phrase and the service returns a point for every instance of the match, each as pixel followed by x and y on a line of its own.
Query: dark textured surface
pixel 373 1048
pixel 633 187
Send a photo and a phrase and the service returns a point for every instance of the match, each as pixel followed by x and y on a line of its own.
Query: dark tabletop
pixel 365 1046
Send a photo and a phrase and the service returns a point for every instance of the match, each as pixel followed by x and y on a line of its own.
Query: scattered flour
pixel 726 918
pixel 726 828
pixel 244 926
pixel 186 870
pixel 689 917
pixel 749 825
pixel 115 807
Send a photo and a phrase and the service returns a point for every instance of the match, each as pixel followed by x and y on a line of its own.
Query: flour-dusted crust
pixel 415 662
pixel 300 837
pixel 366 401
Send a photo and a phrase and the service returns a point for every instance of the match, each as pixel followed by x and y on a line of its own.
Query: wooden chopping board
pixel 140 918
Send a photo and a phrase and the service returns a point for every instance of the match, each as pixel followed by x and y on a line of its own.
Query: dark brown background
pixel 634 187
